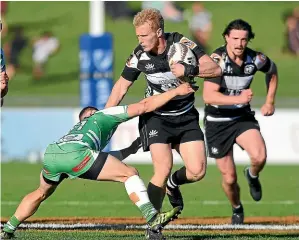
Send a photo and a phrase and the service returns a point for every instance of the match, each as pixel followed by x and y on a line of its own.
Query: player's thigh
pixel 162 158
pixel 194 156
pixel 253 143
pixel 227 167
pixel 115 170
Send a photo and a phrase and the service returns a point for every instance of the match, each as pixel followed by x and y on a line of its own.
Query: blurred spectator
pixel 119 9
pixel 13 50
pixel 4 6
pixel 167 8
pixel 3 77
pixel 291 19
pixel 200 25
pixel 43 47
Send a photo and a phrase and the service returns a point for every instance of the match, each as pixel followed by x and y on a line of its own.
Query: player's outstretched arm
pixel 268 108
pixel 152 103
pixel 119 90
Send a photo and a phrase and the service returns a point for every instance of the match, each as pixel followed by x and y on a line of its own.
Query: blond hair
pixel 150 15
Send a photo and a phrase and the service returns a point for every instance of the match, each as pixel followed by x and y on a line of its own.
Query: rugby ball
pixel 180 52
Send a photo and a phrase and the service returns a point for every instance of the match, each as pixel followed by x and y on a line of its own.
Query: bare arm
pixel 119 90
pixel 268 108
pixel 208 68
pixel 152 103
pixel 272 82
pixel 211 95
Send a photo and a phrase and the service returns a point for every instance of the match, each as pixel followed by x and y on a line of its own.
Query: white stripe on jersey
pixel 237 82
pixel 78 142
pixel 94 141
pixel 161 78
pixel 221 119
pixel 176 113
pixel 235 106
pixel 96 137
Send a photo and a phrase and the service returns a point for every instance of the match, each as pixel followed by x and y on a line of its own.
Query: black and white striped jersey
pixel 235 78
pixel 158 75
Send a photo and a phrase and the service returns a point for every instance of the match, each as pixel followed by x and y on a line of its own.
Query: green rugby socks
pixel 11 225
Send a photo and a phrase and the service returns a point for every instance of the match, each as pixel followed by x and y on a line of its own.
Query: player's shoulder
pixel 173 37
pixel 219 53
pixel 220 50
pixel 259 58
pixel 138 51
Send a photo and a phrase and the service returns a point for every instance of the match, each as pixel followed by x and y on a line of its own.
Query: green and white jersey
pixel 96 131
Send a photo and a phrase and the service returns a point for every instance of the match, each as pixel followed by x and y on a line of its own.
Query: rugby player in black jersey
pixel 228 116
pixel 175 125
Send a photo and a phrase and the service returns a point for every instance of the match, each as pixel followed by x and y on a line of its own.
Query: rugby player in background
pixel 228 116
pixel 4 78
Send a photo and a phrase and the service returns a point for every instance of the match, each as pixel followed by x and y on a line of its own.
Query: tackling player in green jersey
pixel 79 154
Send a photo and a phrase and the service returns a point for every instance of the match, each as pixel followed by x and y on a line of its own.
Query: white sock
pixel 138 194
pixel 135 185
pixel 251 175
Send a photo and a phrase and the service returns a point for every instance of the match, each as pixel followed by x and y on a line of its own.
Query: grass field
pixel 82 198
pixel 68 20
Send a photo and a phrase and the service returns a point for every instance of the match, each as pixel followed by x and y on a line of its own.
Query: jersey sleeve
pixel 262 62
pixel 198 50
pixel 119 114
pixel 130 71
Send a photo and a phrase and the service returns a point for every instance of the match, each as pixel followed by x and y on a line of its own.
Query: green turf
pixel 280 183
pixel 70 19
pixel 77 235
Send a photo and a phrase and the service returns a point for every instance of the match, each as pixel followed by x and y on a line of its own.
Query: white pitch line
pixel 170 226
pixel 199 202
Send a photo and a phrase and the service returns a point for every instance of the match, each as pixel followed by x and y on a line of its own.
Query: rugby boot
pixel 6 235
pixel 160 220
pixel 175 197
pixel 238 215
pixel 254 186
pixel 151 235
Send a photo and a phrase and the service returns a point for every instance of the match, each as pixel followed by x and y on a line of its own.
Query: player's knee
pixel 131 171
pixel 43 194
pixel 259 157
pixel 196 174
pixel 229 179
pixel 163 171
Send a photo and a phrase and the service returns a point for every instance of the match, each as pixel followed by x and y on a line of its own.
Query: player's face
pixel 237 41
pixel 87 113
pixel 147 37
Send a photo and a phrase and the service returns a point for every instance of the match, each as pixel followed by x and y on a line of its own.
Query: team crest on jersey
pixel 188 42
pixel 149 67
pixel 249 69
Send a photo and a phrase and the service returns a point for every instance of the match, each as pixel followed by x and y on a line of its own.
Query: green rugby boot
pixel 160 220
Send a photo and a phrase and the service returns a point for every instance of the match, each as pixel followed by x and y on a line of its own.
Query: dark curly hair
pixel 239 24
